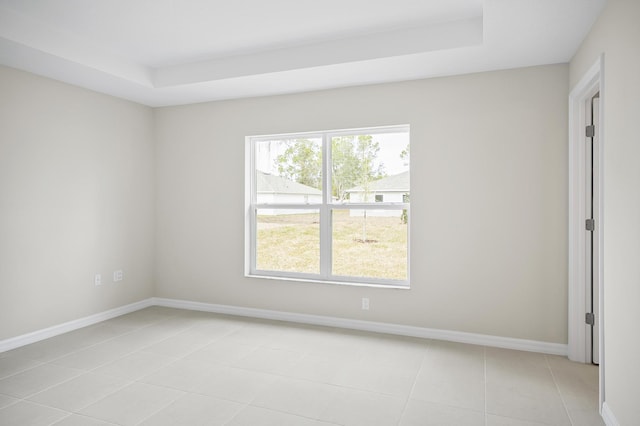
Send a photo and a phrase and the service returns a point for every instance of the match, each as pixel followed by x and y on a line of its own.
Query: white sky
pixel 391 145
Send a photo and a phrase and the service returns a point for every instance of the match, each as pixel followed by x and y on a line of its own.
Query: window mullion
pixel 325 211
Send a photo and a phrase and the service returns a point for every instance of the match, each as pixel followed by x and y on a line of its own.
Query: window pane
pixel 370 168
pixel 289 171
pixel 288 240
pixel 370 243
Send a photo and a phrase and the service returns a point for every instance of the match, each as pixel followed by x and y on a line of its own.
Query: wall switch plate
pixel 97 279
pixel 365 303
pixel 118 275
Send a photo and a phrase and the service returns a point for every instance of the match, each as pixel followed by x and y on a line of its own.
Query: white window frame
pixel 325 210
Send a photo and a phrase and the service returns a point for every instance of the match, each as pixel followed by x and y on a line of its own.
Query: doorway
pixel 586 297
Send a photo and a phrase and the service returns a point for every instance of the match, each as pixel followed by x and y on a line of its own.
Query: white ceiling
pixel 168 52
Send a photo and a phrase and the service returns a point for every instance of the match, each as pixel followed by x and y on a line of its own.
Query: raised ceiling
pixel 168 52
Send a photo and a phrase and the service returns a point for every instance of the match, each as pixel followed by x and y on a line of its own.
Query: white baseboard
pixel 607 415
pixel 55 330
pixel 378 327
pixel 403 330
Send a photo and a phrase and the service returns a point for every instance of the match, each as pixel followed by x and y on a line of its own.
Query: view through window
pixel 330 206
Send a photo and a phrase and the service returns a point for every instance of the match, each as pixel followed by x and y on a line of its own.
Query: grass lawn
pixel 292 243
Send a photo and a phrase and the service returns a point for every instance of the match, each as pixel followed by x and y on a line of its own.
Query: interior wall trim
pixel 352 324
pixel 45 333
pixel 378 327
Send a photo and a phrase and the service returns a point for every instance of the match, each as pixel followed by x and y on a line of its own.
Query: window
pixel 329 206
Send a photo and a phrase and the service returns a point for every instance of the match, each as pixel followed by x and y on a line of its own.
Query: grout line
pixel 49 407
pixel 14 402
pixel 163 407
pixel 555 382
pixel 415 380
pixel 38 364
pixel 244 407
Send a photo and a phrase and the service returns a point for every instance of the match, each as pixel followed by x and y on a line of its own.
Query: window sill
pixel 338 283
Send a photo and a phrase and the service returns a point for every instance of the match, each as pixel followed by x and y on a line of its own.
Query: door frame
pixel 590 84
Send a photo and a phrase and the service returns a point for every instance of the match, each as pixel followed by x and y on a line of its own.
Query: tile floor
pixel 163 366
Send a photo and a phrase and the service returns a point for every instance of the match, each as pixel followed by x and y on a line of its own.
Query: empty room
pixel 302 213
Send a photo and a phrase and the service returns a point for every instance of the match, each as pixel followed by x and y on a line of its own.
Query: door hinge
pixel 590 318
pixel 591 131
pixel 590 224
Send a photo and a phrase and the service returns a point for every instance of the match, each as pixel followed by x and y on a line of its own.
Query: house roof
pixel 273 184
pixel 393 183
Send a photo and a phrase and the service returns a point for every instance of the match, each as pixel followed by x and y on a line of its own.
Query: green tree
pixel 353 163
pixel 301 162
pixel 345 166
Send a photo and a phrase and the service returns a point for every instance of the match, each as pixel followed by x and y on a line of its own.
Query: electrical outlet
pixel 118 275
pixel 97 279
pixel 365 303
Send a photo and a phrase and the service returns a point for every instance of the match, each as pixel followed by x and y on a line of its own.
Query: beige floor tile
pixel 219 381
pixel 585 417
pixel 520 386
pixel 299 397
pixel 235 384
pixel 6 400
pixel 316 368
pixel 253 334
pixel 94 356
pixel 275 361
pixel 493 420
pixel 79 392
pixel 36 379
pixel 359 408
pixel 578 383
pixel 132 404
pixel 135 365
pixel 43 351
pixel 79 420
pixel 377 375
pixel 421 413
pixel 89 336
pixel 215 327
pixel 142 318
pixel 195 410
pixel 292 337
pixel 184 375
pixel 406 351
pixel 338 346
pixel 145 336
pixel 180 344
pixel 452 374
pixel 10 365
pixel 29 414
pixel 218 352
pixel 290 374
pixel 253 416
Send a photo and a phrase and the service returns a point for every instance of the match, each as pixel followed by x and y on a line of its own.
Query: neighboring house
pixel 272 189
pixel 390 189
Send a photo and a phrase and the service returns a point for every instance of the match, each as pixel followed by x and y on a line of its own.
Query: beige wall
pixel 617 35
pixel 76 198
pixel 489 215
